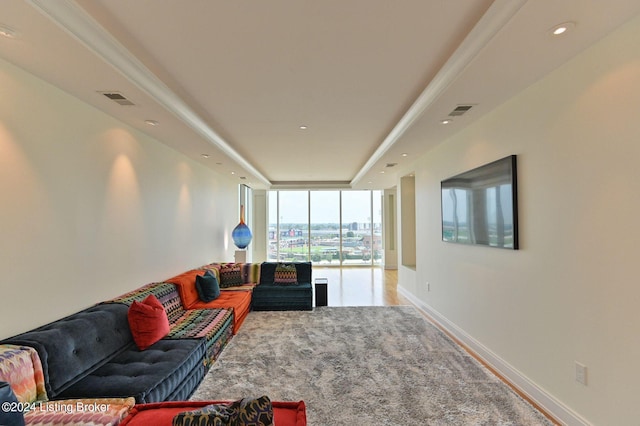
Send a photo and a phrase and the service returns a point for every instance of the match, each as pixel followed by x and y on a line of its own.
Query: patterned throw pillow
pixel 230 275
pixel 285 274
pixel 247 411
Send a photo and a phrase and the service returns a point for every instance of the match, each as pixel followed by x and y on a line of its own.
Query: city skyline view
pixel 305 226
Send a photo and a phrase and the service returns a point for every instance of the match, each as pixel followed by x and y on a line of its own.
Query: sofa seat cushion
pixel 215 326
pixel 239 301
pixel 161 414
pixel 152 375
pixel 275 297
pixel 72 347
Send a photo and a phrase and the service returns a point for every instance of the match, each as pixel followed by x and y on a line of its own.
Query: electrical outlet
pixel 581 373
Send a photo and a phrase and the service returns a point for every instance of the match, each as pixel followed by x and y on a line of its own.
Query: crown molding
pixel 68 15
pixel 307 185
pixel 494 19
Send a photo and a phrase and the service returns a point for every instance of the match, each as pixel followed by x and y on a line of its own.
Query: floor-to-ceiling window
pixel 328 227
pixel 325 227
pixel 289 232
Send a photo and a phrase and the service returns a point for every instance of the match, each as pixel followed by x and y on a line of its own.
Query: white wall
pixel 408 221
pixel 91 208
pixel 390 216
pixel 260 226
pixel 572 292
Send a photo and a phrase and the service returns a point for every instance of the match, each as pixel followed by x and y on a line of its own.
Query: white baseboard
pixel 539 396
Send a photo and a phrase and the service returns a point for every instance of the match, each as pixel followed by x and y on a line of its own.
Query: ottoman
pixel 274 297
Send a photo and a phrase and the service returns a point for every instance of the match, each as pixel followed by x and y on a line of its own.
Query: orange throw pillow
pixel 148 322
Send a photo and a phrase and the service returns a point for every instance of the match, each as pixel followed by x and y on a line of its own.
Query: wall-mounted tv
pixel 481 206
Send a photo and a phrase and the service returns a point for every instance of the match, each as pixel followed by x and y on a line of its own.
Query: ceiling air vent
pixel 391 164
pixel 460 110
pixel 118 98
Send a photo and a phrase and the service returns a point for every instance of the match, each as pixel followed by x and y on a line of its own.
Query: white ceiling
pixel 236 79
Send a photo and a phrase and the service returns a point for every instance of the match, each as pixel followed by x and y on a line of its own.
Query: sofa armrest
pixel 74 346
pixel 303 270
pixel 20 366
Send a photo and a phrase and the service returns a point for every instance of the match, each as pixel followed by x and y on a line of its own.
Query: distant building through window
pixel 326 227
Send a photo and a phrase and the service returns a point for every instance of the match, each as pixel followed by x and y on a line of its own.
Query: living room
pixel 93 207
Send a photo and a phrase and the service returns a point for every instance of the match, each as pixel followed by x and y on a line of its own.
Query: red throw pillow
pixel 148 322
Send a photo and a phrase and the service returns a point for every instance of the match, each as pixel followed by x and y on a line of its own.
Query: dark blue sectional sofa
pixel 91 354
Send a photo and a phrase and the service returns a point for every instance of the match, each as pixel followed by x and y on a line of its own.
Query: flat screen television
pixel 480 206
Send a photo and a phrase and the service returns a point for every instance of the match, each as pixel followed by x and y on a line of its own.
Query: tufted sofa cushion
pixel 207 321
pixel 92 354
pixel 214 325
pixel 167 370
pixel 72 347
pixel 276 297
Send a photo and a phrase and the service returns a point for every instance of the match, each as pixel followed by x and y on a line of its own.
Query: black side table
pixel 321 285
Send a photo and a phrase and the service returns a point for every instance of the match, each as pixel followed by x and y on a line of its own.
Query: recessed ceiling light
pixel 233 173
pixel 205 155
pixel 303 127
pixel 446 121
pixel 404 154
pixel 8 32
pixel 382 172
pixel 151 122
pixel 562 28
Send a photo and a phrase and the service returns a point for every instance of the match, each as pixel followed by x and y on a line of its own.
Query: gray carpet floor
pixel 363 366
